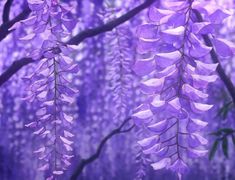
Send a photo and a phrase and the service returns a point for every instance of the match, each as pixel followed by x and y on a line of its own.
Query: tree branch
pixel 110 25
pixel 76 39
pixel 226 80
pixel 13 69
pixel 6 11
pixel 85 162
pixel 4 28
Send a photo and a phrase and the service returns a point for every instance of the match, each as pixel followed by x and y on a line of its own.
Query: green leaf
pixel 213 149
pixel 225 146
pixel 225 113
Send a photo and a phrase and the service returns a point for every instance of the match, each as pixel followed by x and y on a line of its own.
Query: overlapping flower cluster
pixel 176 68
pixel 49 23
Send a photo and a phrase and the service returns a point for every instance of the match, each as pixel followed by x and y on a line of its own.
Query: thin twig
pixel 6 11
pixel 4 28
pixel 110 25
pixel 84 162
pixel 14 68
pixel 226 80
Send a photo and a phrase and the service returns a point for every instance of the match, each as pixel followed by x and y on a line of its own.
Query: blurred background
pixel 109 91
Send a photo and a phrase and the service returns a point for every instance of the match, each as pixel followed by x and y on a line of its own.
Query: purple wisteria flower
pixel 48 24
pixel 176 68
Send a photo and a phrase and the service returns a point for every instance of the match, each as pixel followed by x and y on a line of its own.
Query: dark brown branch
pixel 226 80
pixel 75 40
pixel 84 162
pixel 4 28
pixel 110 25
pixel 14 68
pixel 6 11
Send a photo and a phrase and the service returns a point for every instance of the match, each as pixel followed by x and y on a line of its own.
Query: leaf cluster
pixel 222 139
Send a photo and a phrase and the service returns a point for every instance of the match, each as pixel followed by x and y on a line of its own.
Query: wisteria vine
pixel 50 84
pixel 177 70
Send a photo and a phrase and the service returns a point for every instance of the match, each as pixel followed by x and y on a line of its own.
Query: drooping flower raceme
pixel 48 24
pixel 175 65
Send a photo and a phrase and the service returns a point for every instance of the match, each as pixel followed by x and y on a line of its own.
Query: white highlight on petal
pixel 148 141
pixel 178 31
pixel 143 114
pixel 159 126
pixel 40 150
pixel 68 118
pixel 66 141
pixel 175 103
pixel 164 163
pixel 200 107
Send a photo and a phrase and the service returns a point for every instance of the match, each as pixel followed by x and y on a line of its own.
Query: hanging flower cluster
pixel 175 64
pixel 49 23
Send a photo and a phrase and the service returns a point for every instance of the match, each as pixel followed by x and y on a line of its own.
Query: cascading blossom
pixel 176 67
pixel 49 23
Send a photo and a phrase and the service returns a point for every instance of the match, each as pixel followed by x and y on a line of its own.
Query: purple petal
pixel 203 80
pixel 148 142
pixel 224 48
pixel 164 163
pixel 39 131
pixel 68 147
pixel 36 5
pixel 198 49
pixel 152 86
pixel 219 15
pixel 27 37
pixel 29 21
pixel 179 166
pixel 159 15
pixel 159 126
pixel 68 134
pixel 166 59
pixel 142 116
pixel 32 124
pixel 178 31
pixel 162 152
pixel 175 104
pixel 144 66
pixel 44 167
pixel 41 111
pixel 196 140
pixel 204 28
pixel 200 107
pixel 65 140
pixel 153 149
pixel 192 92
pixel 40 150
pixel 194 153
pixel 58 172
pixel 205 68
pixel 157 104
pixel 147 45
pixel 168 71
pixel 42 96
pixel 147 31
pixel 66 59
pixel 196 125
pixel 67 99
pixel 68 23
pixel 68 118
